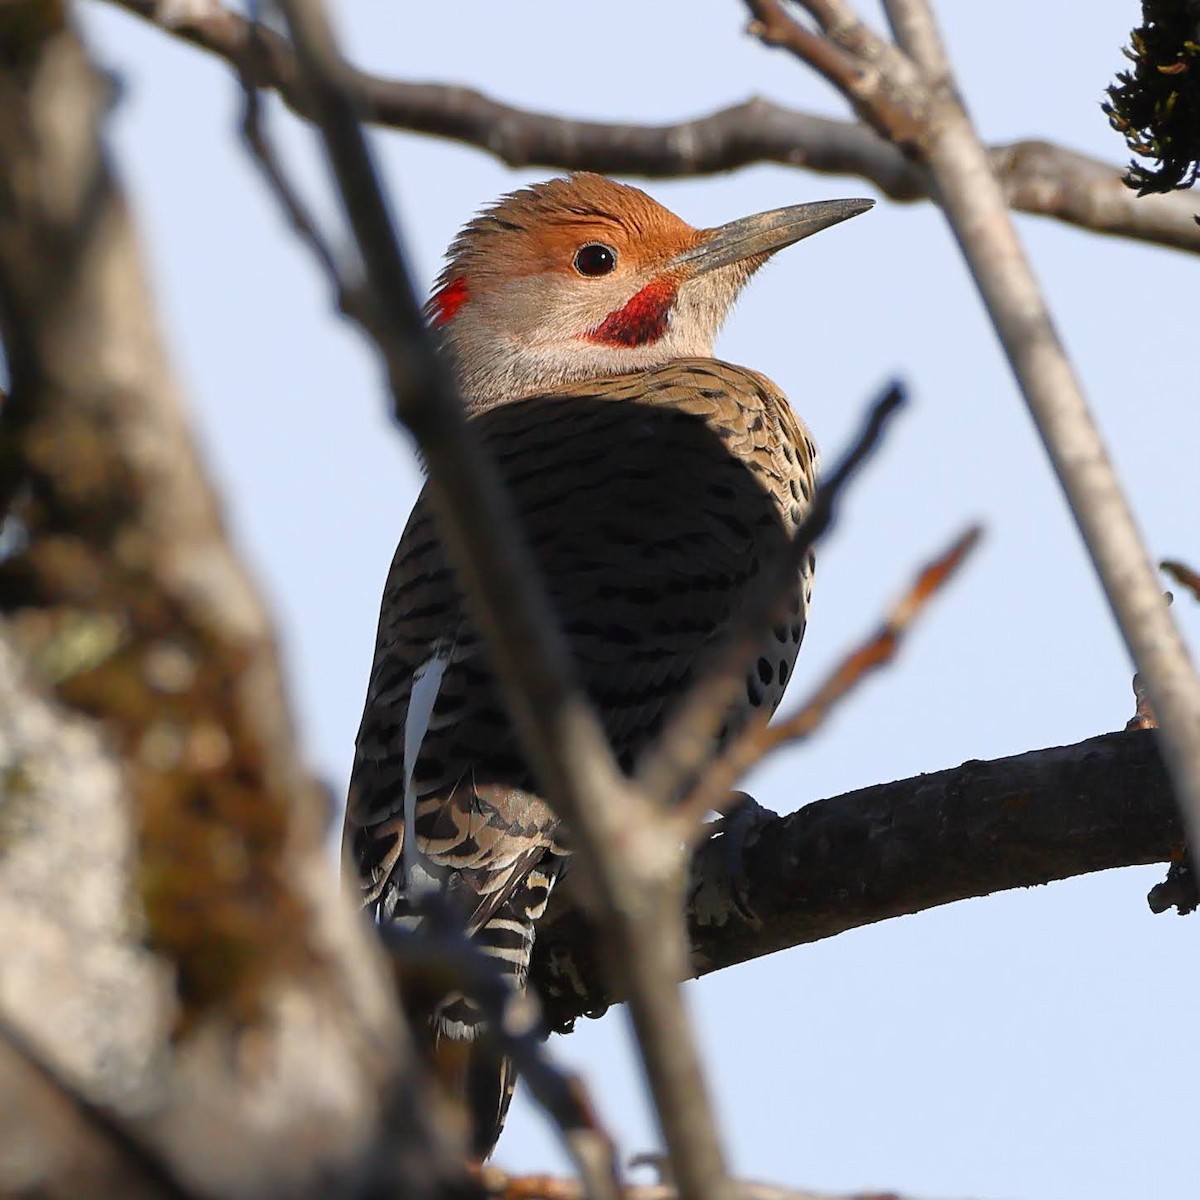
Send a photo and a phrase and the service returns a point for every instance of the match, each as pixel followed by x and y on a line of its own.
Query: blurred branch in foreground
pixel 439 960
pixel 172 933
pixel 625 849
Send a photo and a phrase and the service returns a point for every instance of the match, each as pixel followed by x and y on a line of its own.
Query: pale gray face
pixel 586 278
pixel 535 332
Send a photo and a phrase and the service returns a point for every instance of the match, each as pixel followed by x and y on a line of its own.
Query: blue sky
pixel 1039 1045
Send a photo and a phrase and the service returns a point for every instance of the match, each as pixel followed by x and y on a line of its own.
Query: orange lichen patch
pixel 1016 801
pixel 84 598
pixel 212 891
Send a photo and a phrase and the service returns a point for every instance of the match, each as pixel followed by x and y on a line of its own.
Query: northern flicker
pixel 654 483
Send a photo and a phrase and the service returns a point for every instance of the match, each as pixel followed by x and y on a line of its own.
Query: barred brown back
pixel 652 503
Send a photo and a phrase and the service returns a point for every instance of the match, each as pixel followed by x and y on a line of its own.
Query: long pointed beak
pixel 764 233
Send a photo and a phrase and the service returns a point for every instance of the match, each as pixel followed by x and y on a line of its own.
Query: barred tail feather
pixel 466 1059
pixel 482 1079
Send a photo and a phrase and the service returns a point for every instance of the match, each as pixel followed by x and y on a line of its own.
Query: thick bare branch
pixel 123 538
pixel 900 848
pixel 82 987
pixel 70 965
pixel 1037 177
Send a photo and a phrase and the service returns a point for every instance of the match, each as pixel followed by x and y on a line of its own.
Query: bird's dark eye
pixel 595 259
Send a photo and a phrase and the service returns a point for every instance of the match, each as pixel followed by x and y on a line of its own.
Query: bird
pixel 654 484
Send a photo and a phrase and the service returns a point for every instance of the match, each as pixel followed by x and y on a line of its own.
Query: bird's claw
pixel 744 817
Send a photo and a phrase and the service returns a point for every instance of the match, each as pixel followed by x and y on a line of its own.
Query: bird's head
pixel 583 277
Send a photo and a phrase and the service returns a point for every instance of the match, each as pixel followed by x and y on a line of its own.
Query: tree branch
pixel 975 210
pixel 908 93
pixel 899 848
pixel 1037 177
pixel 126 588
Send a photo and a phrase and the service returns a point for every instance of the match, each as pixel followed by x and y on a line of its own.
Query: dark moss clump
pixel 1156 105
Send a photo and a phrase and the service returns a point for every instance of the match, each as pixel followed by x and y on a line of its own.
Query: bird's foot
pixel 744 816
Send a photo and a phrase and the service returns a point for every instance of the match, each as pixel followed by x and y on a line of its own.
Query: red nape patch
pixel 445 302
pixel 641 321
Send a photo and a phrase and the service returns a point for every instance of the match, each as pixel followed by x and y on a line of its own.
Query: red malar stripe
pixel 642 320
pixel 445 302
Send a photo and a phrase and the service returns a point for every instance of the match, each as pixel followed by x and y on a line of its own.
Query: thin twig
pixel 869 73
pixel 686 742
pixel 775 27
pixel 1183 575
pixel 760 738
pixel 1037 177
pixel 350 300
